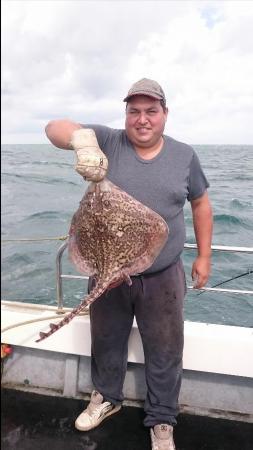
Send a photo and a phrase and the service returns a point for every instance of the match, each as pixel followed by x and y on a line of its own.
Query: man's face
pixel 145 121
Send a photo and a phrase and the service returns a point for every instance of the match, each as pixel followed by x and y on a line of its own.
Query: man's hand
pixel 91 163
pixel 201 269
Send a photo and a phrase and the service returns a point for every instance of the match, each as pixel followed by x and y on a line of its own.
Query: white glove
pixel 91 163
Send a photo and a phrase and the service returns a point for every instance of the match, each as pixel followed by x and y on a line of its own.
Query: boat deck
pixel 32 421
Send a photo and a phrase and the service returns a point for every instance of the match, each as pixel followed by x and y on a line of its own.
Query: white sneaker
pixel 95 412
pixel 162 437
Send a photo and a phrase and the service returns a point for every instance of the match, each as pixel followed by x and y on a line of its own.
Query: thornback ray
pixel 112 237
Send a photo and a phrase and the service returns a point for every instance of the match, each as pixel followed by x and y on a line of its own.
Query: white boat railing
pixel 219 248
pixel 223 248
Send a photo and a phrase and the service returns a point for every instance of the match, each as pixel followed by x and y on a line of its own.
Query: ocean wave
pixel 18 258
pixel 30 271
pixel 228 219
pixel 45 215
pixel 24 164
pixel 243 178
pixel 36 272
pixel 238 204
pixel 40 179
pixel 52 164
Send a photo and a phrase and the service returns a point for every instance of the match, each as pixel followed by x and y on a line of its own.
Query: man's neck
pixel 149 152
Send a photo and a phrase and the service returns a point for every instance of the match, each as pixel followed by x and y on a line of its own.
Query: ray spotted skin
pixel 112 236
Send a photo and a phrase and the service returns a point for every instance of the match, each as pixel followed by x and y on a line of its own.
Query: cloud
pixel 78 59
pixel 206 72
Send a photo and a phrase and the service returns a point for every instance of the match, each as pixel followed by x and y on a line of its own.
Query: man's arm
pixel 60 132
pixel 203 228
pixel 91 163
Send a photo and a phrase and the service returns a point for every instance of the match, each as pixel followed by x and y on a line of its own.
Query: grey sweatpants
pixel 156 300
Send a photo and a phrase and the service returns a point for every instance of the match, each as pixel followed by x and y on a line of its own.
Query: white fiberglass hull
pixel 217 376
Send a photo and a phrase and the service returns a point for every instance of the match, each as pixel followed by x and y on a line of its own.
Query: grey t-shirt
pixel 162 183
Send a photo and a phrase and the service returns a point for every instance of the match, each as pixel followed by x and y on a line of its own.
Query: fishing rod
pixel 229 279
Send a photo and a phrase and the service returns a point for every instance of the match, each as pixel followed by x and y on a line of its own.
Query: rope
pixel 27 322
pixel 57 238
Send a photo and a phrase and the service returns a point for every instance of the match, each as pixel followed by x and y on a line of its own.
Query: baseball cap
pixel 148 87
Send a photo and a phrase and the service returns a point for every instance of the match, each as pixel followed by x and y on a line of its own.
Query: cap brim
pixel 156 97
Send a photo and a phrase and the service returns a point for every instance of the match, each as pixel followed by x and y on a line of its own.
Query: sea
pixel 41 191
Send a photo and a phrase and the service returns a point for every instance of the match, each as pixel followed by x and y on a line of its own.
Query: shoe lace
pixel 159 444
pixel 96 411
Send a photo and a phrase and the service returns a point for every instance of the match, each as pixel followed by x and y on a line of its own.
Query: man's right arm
pixel 60 132
pixel 91 163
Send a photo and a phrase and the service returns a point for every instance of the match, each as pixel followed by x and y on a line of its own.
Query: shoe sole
pixel 113 411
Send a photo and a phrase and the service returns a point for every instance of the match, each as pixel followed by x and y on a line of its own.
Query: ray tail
pixel 95 293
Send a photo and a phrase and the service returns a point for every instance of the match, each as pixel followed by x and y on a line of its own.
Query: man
pixel 161 173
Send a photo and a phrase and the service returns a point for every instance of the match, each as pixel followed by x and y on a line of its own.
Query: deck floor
pixel 38 422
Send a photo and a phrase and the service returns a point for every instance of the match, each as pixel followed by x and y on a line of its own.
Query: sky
pixel 77 60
